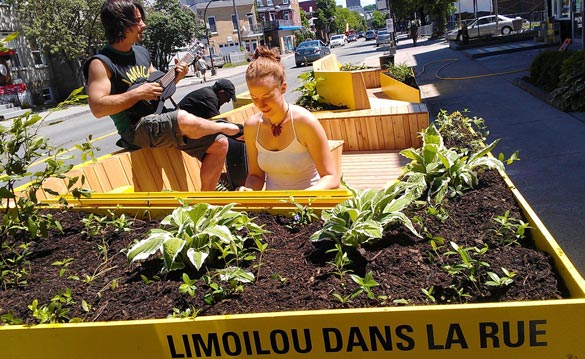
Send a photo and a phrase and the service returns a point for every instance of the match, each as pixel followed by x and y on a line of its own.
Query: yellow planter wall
pixel 397 90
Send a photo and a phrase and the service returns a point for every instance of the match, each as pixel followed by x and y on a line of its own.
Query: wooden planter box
pixel 530 329
pixel 391 127
pixel 397 90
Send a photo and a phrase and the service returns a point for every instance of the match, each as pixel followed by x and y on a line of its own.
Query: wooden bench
pixel 144 170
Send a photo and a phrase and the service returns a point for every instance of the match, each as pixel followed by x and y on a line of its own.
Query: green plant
pixel 196 232
pixel 63 264
pixel 446 170
pixel 455 128
pixel 429 293
pixel 351 67
pixel 10 319
pixel 94 225
pixel 546 67
pixel 470 267
pixel 503 281
pixel 188 286
pixel 362 218
pixel 14 264
pixel 280 278
pixel 189 313
pixel 309 98
pixel 340 262
pixel 365 285
pixel 21 145
pixel 57 311
pixel 568 95
pixel 510 230
pixel 301 216
pixel 234 277
pixel 402 73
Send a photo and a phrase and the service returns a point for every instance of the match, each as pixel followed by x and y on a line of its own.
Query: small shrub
pixel 310 98
pixel 402 73
pixel 568 96
pixel 545 70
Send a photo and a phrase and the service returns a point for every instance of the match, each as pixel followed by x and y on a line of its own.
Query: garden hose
pixel 452 61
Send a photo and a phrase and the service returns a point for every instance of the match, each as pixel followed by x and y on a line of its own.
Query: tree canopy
pixel 69 29
pixel 170 26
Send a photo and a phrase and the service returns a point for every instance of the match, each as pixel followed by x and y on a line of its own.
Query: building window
pixel 211 23
pixel 259 3
pixel 235 22
pixel 286 16
pixel 36 54
pixel 269 2
pixel 285 2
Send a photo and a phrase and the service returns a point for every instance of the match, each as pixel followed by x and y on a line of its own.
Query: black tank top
pixel 127 69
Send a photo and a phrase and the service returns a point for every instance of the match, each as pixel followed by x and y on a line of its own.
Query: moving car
pixel 383 38
pixel 218 61
pixel 309 51
pixel 361 34
pixel 370 35
pixel 337 40
pixel 487 26
pixel 352 37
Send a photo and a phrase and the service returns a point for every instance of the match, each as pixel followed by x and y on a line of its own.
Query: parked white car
pixel 487 26
pixel 337 40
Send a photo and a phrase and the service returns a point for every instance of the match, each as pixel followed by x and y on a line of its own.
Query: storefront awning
pixel 10 89
pixel 7 52
pixel 290 27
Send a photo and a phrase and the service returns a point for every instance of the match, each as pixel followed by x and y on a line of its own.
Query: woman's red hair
pixel 266 62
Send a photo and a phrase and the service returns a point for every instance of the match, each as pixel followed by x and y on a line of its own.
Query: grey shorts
pixel 163 131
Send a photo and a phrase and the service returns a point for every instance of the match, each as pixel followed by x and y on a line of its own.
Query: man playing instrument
pixel 113 91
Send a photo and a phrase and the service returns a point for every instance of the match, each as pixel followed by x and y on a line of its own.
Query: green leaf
pixel 147 247
pixel 171 249
pixel 197 258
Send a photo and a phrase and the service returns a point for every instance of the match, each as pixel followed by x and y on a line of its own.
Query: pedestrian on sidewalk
pixel 201 67
pixel 414 32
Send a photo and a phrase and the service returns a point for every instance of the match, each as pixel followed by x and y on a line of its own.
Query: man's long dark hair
pixel 117 16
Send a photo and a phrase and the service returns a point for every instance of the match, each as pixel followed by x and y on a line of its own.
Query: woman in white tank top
pixel 286 145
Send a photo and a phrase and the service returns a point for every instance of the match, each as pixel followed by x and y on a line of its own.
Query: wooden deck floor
pixel 371 169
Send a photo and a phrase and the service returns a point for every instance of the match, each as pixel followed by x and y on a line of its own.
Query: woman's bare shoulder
pixel 254 119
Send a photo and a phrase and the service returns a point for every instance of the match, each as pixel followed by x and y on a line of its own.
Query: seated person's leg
pixel 211 150
pixel 196 127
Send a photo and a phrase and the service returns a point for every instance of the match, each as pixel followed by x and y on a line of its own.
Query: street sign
pixel 390 25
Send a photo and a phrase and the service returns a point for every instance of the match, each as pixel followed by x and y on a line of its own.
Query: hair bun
pixel 271 54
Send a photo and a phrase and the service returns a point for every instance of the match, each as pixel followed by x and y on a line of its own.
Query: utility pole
pixel 237 25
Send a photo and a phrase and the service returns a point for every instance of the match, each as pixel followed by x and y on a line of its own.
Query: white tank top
pixel 287 169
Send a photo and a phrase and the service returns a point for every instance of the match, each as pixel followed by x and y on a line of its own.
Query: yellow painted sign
pixel 545 329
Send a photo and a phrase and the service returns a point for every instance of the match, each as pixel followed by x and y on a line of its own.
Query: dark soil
pixel 293 274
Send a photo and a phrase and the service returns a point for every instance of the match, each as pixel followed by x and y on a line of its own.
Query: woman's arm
pixel 256 177
pixel 312 135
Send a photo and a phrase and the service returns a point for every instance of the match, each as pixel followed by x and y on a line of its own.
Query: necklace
pixel 277 129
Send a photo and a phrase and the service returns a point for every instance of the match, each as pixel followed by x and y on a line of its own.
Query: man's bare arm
pixel 103 104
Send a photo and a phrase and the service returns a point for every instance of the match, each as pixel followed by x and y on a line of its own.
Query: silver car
pixel 309 51
pixel 384 38
pixel 217 61
pixel 487 26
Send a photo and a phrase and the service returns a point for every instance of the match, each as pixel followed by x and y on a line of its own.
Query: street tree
pixel 171 25
pixel 346 19
pixel 67 30
pixel 378 20
pixel 324 24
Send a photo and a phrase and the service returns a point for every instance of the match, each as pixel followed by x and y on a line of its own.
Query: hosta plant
pixel 362 218
pixel 194 235
pixel 447 170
